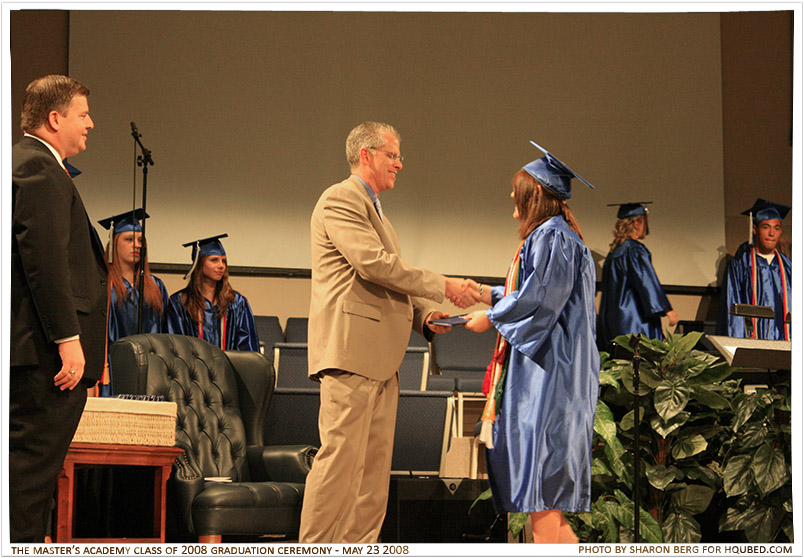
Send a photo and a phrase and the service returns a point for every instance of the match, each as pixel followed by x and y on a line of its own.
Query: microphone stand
pixel 634 342
pixel 142 161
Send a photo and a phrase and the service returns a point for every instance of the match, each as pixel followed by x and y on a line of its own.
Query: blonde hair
pixel 623 230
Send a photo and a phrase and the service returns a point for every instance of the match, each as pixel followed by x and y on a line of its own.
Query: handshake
pixel 464 293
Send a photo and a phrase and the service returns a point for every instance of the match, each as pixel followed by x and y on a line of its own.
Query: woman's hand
pixel 478 321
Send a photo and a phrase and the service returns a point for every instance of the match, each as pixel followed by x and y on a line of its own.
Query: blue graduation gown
pixel 123 321
pixel 241 332
pixel 737 288
pixel 632 299
pixel 542 452
pixel 123 318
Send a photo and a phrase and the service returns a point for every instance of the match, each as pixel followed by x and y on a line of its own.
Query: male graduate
pixel 58 299
pixel 759 274
pixel 632 299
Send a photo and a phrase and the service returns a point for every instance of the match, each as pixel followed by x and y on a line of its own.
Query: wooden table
pixel 81 455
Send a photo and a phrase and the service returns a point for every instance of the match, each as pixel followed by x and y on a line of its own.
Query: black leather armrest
pixel 185 485
pixel 280 463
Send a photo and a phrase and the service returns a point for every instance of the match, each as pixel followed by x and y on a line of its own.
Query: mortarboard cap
pixel 631 209
pixel 762 210
pixel 553 174
pixel 122 222
pixel 210 246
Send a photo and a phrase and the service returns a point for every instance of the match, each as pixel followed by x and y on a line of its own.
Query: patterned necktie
pixel 379 209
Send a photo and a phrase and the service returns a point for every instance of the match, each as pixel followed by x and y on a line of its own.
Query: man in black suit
pixel 58 300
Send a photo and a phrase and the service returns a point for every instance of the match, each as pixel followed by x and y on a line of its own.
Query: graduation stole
pixel 754 290
pixel 495 373
pixel 223 331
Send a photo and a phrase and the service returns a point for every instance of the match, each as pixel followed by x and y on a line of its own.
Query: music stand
pixel 753 353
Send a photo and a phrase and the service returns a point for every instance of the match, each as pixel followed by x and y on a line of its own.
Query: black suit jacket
pixel 58 273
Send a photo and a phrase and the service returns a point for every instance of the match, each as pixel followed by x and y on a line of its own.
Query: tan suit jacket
pixel 365 298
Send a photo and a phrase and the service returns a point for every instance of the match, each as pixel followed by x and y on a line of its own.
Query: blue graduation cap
pixel 122 222
pixel 553 174
pixel 762 210
pixel 631 209
pixel 210 246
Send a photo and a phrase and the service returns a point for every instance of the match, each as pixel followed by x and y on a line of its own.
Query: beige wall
pixel 756 59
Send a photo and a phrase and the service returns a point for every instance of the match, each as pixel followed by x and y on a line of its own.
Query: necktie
pixel 379 208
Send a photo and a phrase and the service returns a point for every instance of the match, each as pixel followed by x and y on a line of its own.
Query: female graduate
pixel 542 382
pixel 632 299
pixel 124 252
pixel 208 307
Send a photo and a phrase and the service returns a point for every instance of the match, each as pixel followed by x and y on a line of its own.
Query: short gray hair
pixel 369 135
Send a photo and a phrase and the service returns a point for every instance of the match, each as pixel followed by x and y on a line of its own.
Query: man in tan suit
pixel 365 299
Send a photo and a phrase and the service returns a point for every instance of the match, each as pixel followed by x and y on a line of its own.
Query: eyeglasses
pixel 393 156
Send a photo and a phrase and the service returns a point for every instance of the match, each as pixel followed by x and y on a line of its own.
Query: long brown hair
pixel 153 296
pixel 193 299
pixel 623 230
pixel 536 204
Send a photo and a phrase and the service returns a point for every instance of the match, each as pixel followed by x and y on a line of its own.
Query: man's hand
pixel 72 365
pixel 459 293
pixel 481 293
pixel 436 328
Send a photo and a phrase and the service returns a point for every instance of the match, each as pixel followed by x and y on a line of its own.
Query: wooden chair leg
pixel 210 538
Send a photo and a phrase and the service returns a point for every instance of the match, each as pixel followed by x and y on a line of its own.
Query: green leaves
pixel 670 397
pixel 769 469
pixel 702 441
pixel 689 446
pixel 681 527
pixel 693 499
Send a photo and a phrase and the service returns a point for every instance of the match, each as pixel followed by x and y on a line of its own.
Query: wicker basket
pixel 108 420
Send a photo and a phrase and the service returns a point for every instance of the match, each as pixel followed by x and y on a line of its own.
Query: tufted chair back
pixel 221 399
pixel 200 379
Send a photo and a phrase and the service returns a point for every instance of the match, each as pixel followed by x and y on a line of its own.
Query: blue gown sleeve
pixel 242 335
pixel 178 319
pixel 643 280
pixel 732 326
pixel 526 316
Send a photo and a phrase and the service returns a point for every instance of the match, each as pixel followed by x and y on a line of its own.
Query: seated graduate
pixel 632 299
pixel 759 274
pixel 126 251
pixel 208 307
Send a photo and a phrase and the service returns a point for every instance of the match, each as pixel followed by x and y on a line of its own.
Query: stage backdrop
pixel 246 114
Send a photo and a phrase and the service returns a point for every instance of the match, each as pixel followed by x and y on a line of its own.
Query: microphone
pixel 134 130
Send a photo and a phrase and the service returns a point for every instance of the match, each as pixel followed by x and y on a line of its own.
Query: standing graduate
pixel 632 299
pixel 542 382
pixel 208 307
pixel 759 274
pixel 125 252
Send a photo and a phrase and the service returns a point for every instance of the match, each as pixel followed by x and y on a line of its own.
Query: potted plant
pixel 714 461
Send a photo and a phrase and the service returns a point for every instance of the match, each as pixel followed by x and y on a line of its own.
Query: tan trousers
pixel 346 493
